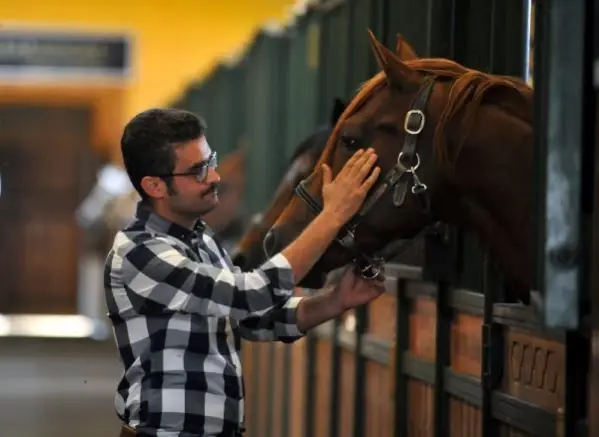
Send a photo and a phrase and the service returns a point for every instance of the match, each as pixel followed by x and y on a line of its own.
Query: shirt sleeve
pixel 155 274
pixel 279 323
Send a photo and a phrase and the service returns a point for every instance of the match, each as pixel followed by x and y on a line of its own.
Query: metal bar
pixel 576 382
pixel 269 369
pixel 286 391
pixel 334 403
pixel 593 386
pixel 562 239
pixel 540 105
pixel 492 356
pixel 442 359
pixel 418 369
pixel 402 344
pixel 256 383
pixel 441 28
pixel 526 19
pixel 525 417
pixel 360 370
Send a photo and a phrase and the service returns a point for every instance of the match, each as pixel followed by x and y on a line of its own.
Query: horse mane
pixel 470 88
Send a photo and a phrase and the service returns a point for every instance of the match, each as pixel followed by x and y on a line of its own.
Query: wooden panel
pixel 422 328
pixel 378 408
pixel 278 390
pixel 421 409
pixel 39 225
pixel 262 373
pixel 465 420
pixel 466 358
pixel 297 398
pixel 534 369
pixel 346 393
pixel 323 389
pixel 466 344
pixel 381 316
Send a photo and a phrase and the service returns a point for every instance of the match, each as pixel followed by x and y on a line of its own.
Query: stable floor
pixel 58 388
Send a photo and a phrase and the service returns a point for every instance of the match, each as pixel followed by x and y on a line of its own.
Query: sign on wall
pixel 31 54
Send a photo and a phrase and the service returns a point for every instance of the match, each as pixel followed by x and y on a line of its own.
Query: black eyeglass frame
pixel 200 172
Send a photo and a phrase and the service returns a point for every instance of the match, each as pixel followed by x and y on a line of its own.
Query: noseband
pixel 398 179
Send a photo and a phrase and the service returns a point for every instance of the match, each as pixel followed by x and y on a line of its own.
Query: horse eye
pixel 349 142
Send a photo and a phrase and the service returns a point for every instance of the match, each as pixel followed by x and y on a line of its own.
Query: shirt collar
pixel 150 219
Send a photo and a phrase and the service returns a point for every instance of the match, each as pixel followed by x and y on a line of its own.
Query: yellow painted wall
pixel 176 41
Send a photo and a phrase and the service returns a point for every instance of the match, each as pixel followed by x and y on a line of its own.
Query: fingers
pixel 362 165
pixel 365 167
pixel 351 162
pixel 370 181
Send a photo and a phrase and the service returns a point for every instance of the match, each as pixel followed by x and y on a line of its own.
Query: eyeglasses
pixel 200 171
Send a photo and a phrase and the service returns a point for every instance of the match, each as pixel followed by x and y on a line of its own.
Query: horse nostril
pixel 269 243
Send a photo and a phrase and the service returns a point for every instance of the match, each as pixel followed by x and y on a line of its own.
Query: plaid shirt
pixel 179 307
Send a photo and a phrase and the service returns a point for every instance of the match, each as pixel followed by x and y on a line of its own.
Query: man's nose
pixel 212 176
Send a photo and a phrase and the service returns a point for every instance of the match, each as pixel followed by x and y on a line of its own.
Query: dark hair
pixel 150 138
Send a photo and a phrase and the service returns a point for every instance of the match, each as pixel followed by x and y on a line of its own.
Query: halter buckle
pixel 409 118
pixel 371 271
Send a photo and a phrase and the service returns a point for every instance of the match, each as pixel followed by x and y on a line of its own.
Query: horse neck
pixel 493 180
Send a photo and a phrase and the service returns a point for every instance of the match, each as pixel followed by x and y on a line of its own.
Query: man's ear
pixel 154 187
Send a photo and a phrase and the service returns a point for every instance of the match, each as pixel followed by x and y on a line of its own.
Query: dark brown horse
pixel 249 252
pixel 454 145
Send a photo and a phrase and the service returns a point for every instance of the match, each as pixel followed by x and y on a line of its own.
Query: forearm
pixel 278 324
pixel 303 253
pixel 318 308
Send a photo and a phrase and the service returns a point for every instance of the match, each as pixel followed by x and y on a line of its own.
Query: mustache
pixel 212 189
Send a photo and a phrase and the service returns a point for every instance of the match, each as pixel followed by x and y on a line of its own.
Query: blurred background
pixel 264 73
pixel 71 74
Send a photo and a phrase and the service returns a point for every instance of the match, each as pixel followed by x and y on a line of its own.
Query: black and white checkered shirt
pixel 179 307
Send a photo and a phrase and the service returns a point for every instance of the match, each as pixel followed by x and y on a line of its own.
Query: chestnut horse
pixel 249 252
pixel 454 144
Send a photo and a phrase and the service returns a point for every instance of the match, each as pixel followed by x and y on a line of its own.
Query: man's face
pixel 195 189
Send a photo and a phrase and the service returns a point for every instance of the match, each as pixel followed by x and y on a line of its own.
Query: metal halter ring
pixel 376 271
pixel 412 168
pixel 406 125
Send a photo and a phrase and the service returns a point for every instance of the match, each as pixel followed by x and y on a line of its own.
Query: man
pixel 178 305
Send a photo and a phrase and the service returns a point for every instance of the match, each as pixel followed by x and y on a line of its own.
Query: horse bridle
pixel 398 179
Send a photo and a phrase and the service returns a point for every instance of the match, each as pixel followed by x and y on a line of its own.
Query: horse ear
pixel 398 74
pixel 338 108
pixel 404 50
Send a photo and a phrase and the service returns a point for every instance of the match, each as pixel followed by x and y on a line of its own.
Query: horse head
pixel 455 145
pixel 249 252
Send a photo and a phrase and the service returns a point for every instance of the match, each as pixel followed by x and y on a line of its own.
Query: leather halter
pixel 398 179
